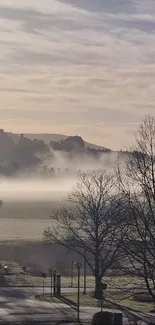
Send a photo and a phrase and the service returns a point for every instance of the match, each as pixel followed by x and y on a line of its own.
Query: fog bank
pixel 36 190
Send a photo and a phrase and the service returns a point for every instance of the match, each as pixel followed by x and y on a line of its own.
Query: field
pixel 25 220
pixel 27 205
pixel 120 283
pixel 22 224
pixel 21 229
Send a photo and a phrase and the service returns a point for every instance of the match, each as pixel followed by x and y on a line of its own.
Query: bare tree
pixel 137 187
pixel 89 223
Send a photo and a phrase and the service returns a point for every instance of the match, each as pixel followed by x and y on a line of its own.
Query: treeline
pixel 75 144
pixel 27 155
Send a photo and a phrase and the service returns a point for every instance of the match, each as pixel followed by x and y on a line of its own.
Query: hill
pixel 35 153
pixel 46 137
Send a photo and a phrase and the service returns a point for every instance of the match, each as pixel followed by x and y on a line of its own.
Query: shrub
pixel 143 297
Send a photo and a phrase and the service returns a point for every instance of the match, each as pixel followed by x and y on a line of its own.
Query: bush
pixel 102 318
pixel 143 297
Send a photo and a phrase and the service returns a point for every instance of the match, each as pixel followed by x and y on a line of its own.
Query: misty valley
pixel 77 162
pixel 37 172
pixel 27 205
pixel 72 207
pixel 36 176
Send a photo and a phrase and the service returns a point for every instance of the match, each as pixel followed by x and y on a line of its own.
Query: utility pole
pixel 72 273
pixel 43 275
pixel 102 289
pixel 54 283
pixel 78 265
pixel 51 276
pixel 85 273
pixel 101 304
pixel 43 288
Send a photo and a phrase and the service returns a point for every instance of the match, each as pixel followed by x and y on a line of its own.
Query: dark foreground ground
pixel 58 323
pixel 19 306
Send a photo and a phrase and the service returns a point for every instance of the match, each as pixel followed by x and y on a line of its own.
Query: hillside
pixel 41 154
pixel 46 137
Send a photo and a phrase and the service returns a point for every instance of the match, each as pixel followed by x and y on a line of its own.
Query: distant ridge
pixel 47 137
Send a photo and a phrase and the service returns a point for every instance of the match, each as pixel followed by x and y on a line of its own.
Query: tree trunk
pixel 97 275
pixel 98 280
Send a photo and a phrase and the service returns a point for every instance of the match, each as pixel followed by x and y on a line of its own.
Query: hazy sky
pixel 83 67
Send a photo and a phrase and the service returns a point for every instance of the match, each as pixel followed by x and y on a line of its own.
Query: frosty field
pixel 25 220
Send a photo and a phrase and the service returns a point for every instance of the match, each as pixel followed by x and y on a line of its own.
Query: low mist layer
pixel 36 190
pixel 22 157
pixel 82 162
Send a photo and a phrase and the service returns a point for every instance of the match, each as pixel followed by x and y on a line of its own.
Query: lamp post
pixel 51 276
pixel 43 275
pixel 85 273
pixel 72 273
pixel 54 283
pixel 103 287
pixel 78 265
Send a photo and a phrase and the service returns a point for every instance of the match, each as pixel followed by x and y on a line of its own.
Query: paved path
pixel 16 305
pixel 32 291
pixel 19 304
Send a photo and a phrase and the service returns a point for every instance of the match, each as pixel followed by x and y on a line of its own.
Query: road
pixel 19 304
pixel 32 291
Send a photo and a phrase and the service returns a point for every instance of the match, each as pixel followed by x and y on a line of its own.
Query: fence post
pixel 58 285
pixel 51 277
pixel 43 275
pixel 85 273
pixel 72 273
pixel 54 283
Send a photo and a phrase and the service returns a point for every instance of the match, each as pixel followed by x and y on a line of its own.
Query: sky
pixel 77 67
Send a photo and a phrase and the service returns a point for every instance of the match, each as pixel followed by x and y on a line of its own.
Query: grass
pixel 23 229
pixel 115 290
pixel 29 208
pixel 85 300
pixel 89 301
pixel 138 306
pixel 26 220
pixel 32 281
pixel 35 281
pixel 17 278
pixel 113 283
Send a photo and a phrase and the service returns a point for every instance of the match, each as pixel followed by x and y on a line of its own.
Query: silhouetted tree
pixel 137 186
pixel 89 224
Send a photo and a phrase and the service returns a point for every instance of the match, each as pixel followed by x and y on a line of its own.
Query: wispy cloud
pixel 79 61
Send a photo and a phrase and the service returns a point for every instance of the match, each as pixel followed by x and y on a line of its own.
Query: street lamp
pixel 54 283
pixel 85 272
pixel 72 273
pixel 78 265
pixel 51 276
pixel 102 288
pixel 43 275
